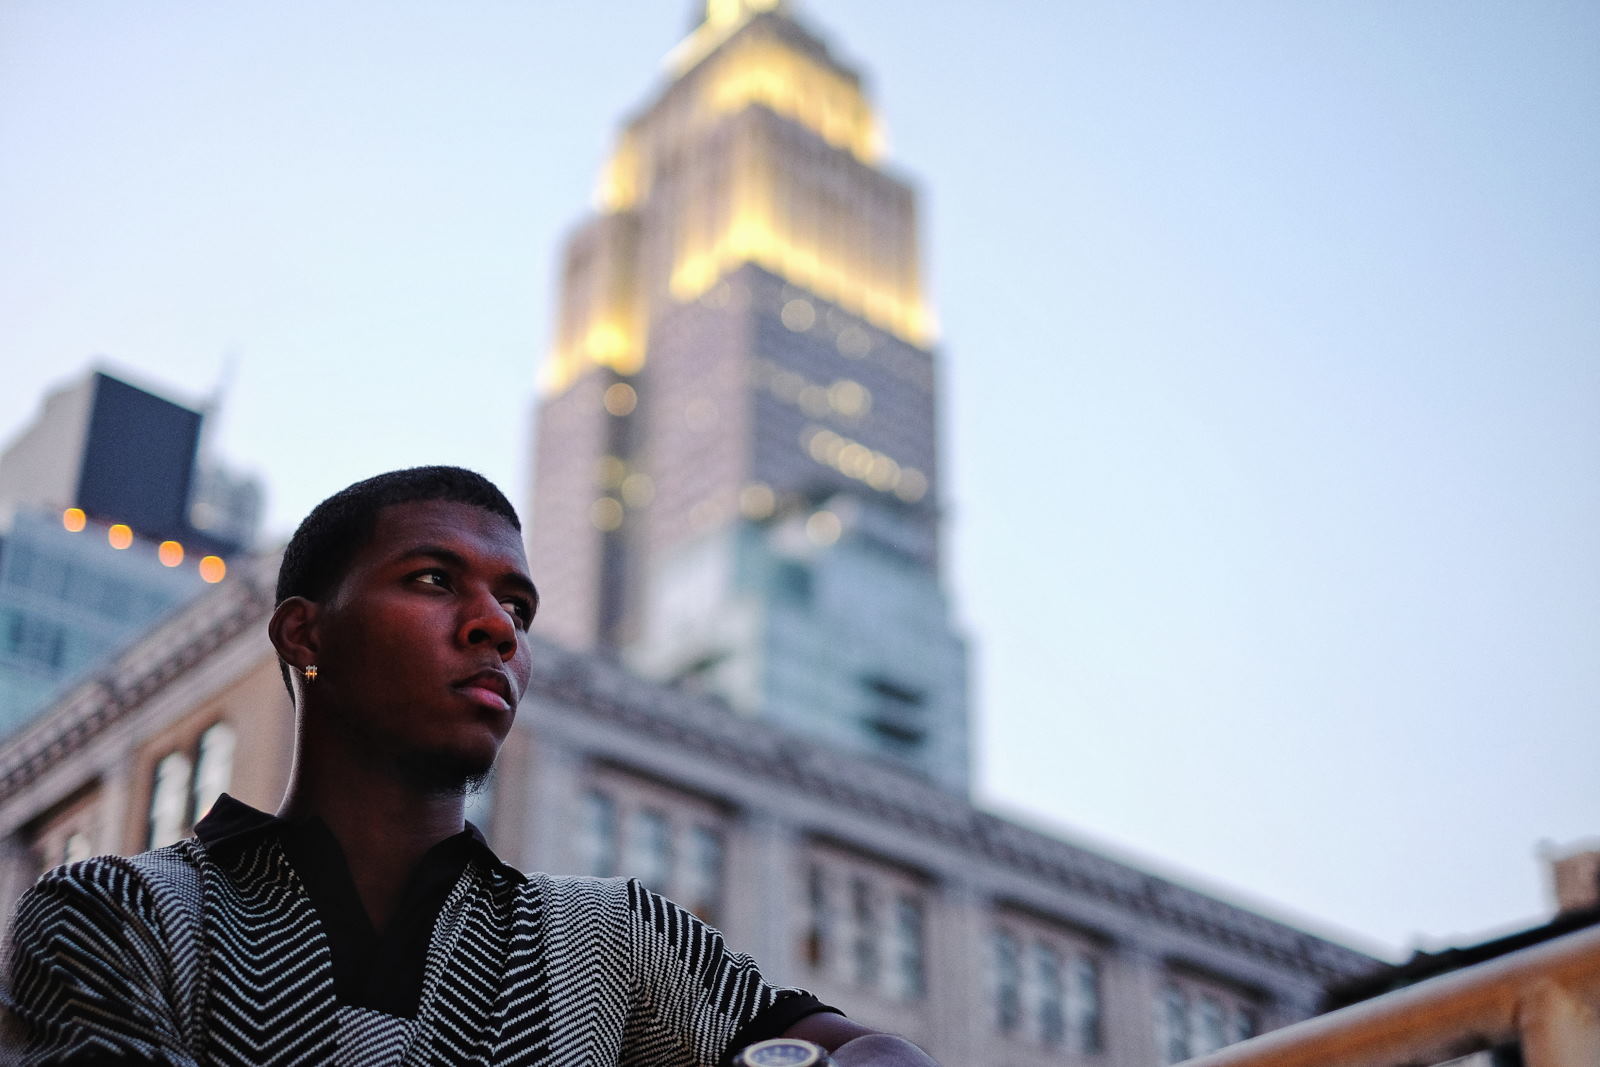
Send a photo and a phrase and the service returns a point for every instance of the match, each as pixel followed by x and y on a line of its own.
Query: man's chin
pixel 447 773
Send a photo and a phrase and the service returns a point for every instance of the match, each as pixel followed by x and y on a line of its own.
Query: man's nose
pixel 488 622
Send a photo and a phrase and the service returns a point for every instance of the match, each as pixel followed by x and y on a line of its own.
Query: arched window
pixel 213 769
pixel 169 800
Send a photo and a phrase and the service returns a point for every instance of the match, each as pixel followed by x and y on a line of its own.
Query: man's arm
pixel 854 1045
pixel 713 997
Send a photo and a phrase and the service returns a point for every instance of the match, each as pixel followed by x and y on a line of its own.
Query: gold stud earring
pixel 310 673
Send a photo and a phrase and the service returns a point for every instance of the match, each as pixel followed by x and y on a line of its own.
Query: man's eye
pixel 438 578
pixel 521 609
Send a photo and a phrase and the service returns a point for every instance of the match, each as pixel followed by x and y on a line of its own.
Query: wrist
pixel 783 1052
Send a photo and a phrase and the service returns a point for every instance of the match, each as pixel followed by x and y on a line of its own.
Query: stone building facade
pixel 901 902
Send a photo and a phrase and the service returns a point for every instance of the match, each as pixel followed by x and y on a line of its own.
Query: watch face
pixel 782 1052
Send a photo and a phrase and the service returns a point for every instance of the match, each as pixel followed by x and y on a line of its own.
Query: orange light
pixel 212 569
pixel 120 535
pixel 74 519
pixel 170 553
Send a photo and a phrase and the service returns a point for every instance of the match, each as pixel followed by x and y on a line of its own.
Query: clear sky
pixel 1271 342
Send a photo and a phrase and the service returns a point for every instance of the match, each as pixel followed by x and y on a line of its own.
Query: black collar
pixel 232 826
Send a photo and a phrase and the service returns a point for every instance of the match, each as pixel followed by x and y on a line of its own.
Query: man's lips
pixel 489 687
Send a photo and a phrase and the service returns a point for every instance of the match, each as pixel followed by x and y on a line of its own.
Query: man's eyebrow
pixel 438 552
pixel 455 559
pixel 524 584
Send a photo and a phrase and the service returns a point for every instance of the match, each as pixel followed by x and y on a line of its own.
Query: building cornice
pixel 705 727
pixel 119 688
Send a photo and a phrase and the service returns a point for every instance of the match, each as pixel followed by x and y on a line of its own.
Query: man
pixel 365 923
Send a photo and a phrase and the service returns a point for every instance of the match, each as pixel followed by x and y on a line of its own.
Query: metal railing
pixel 1545 998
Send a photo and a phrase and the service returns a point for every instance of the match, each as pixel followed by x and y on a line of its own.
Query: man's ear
pixel 293 631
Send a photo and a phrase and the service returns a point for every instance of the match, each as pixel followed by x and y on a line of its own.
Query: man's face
pixel 423 646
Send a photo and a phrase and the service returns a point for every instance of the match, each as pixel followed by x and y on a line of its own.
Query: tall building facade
pixel 736 481
pixel 108 520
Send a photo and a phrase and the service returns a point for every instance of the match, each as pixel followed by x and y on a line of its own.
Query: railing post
pixel 1557 1029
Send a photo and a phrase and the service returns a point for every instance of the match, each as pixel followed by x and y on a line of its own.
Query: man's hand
pixel 881 1050
pixel 854 1045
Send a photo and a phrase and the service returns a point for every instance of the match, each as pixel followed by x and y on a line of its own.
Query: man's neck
pixel 384 828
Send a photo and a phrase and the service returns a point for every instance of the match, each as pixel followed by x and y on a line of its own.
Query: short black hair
pixel 328 539
pixel 326 543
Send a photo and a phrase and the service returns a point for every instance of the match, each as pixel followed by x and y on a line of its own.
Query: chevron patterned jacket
pixel 174 958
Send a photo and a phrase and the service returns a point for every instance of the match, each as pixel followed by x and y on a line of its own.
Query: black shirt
pixel 377 969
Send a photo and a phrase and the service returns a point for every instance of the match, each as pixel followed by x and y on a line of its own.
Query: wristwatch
pixel 783 1052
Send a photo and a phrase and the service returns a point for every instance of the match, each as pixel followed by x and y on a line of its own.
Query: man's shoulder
pixel 572 888
pixel 568 899
pixel 127 874
pixel 104 958
pixel 161 880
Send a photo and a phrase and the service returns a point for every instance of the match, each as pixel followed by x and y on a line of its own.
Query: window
pixel 1196 1016
pixel 703 878
pixel 1174 1024
pixel 1087 1020
pixel 1046 985
pixel 214 768
pixel 31 638
pixel 76 847
pixel 816 948
pixel 187 782
pixel 1209 1034
pixel 169 800
pixel 1007 982
pixel 895 715
pixel 865 925
pixel 650 851
pixel 1052 1015
pixel 905 949
pixel 671 842
pixel 68 832
pixel 599 843
pixel 864 942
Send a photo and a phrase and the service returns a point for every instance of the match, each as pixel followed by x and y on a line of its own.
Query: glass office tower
pixel 736 479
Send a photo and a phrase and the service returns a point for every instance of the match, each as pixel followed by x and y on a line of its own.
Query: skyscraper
pixel 108 520
pixel 736 484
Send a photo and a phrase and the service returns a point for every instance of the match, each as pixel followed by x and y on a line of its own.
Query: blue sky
pixel 1270 338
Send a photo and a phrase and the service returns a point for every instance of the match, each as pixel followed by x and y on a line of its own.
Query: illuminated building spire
pixel 741 195
pixel 730 13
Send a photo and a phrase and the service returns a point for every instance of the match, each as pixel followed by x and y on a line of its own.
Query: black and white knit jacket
pixel 174 958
